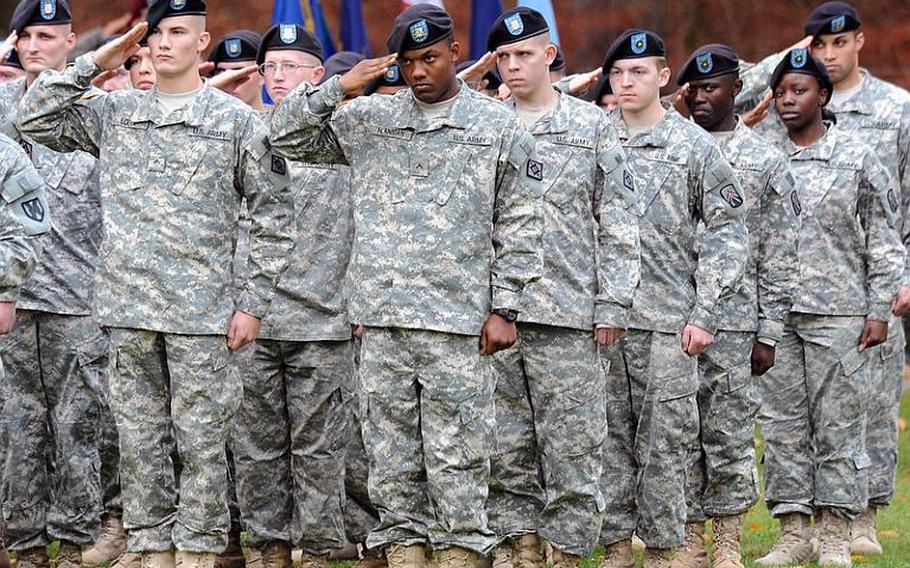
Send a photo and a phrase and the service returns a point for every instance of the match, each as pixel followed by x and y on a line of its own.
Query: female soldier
pixel 814 399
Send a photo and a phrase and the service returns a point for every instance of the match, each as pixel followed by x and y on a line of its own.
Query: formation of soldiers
pixel 450 314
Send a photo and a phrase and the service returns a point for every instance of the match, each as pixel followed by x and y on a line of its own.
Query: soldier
pixel 237 50
pixel 651 389
pixel 721 476
pixel 54 358
pixel 24 216
pixel 877 113
pixel 550 405
pixel 141 69
pixel 445 188
pixel 291 430
pixel 814 399
pixel 176 162
pixel 11 68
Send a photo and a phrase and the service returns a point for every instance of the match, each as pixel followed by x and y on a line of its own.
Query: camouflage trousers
pixel 289 440
pixel 550 428
pixel 652 419
pixel 887 374
pixel 427 410
pixel 721 477
pixel 109 449
pixel 360 516
pixel 51 487
pixel 173 390
pixel 812 417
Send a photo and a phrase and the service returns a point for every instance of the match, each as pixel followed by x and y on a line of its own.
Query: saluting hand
pixel 580 84
pixel 759 113
pixel 7 317
pixel 114 54
pixel 364 73
pixel 229 80
pixel 244 329
pixel 473 76
pixel 7 46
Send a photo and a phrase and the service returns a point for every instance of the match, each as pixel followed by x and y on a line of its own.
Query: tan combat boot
pixel 691 554
pixel 314 560
pixel 276 554
pixel 406 556
pixel 111 543
pixel 157 559
pixel 728 532
pixel 527 552
pixel 638 545
pixel 370 559
pixel 128 560
pixel 619 555
pixel 33 558
pixel 864 534
pixel 564 559
pixel 69 555
pixel 833 536
pixel 502 555
pixel 4 555
pixel 658 557
pixel 458 557
pixel 795 545
pixel 186 559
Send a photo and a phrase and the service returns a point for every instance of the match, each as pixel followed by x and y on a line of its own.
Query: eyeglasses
pixel 286 68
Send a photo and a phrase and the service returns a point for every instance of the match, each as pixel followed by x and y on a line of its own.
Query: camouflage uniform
pixel 550 407
pixel 651 387
pixel 878 115
pixel 721 476
pixel 815 397
pixel 290 436
pixel 444 210
pixel 54 361
pixel 171 189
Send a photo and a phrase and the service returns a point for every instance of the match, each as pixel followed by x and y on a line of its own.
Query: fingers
pixel 483 342
pixel 206 68
pixel 134 36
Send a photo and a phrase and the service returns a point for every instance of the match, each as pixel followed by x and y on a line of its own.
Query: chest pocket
pixel 836 198
pixel 198 165
pixel 388 158
pixel 564 157
pixel 661 200
pixel 124 161
pixel 466 154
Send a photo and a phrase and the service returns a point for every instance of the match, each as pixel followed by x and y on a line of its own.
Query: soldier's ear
pixel 454 50
pixel 860 40
pixel 205 38
pixel 737 87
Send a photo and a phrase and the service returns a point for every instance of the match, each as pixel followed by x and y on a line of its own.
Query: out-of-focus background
pixel 586 27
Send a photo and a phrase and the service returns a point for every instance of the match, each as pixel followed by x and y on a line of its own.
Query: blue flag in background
pixel 353 30
pixel 287 12
pixel 315 22
pixel 545 7
pixel 483 14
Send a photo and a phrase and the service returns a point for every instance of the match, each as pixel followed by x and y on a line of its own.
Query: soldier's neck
pixel 645 118
pixel 851 81
pixel 181 84
pixel 30 77
pixel 808 134
pixel 544 97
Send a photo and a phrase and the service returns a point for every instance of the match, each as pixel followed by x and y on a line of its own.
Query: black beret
pixel 239 45
pixel 800 61
pixel 634 44
pixel 289 37
pixel 161 9
pixel 832 18
pixel 40 12
pixel 341 63
pixel 393 77
pixel 494 79
pixel 559 62
pixel 419 26
pixel 712 60
pixel 12 60
pixel 516 25
pixel 603 88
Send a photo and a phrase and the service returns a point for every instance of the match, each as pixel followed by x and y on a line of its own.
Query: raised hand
pixel 364 73
pixel 114 54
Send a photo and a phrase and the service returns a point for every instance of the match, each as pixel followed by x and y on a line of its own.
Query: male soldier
pixel 237 50
pixel 445 188
pixel 175 163
pixel 24 216
pixel 684 182
pixel 54 358
pixel 877 113
pixel 11 68
pixel 550 405
pixel 291 430
pixel 721 476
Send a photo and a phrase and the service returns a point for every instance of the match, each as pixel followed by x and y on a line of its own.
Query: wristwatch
pixel 508 315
